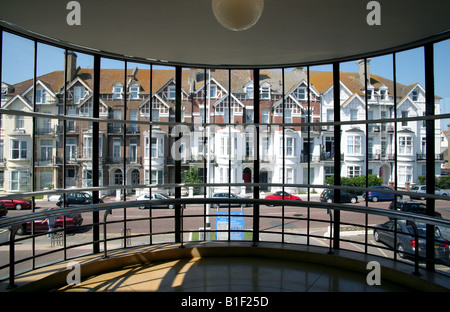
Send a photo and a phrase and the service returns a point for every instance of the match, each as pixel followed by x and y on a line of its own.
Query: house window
pixel 354 144
pixel 20 122
pixel 117 92
pixel 134 117
pixel 46 150
pixel 353 114
pixel 133 150
pixel 87 146
pixel 71 148
pixel 116 149
pixel 287 115
pixel 329 172
pixel 265 93
pixel 248 145
pixel 265 116
pixel 19 149
pixel 249 91
pixel 157 148
pixel 353 171
pixel 19 180
pixel 301 94
pixel 78 94
pixel 212 91
pixel 383 94
pixel 404 115
pixel 405 174
pixel 405 145
pixel 171 93
pixel 134 92
pixel 289 147
pixel 157 177
pixel 415 95
pixel 40 96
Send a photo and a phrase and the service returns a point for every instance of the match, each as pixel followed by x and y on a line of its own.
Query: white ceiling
pixel 185 31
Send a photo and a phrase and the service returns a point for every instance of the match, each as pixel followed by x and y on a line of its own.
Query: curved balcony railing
pixel 175 225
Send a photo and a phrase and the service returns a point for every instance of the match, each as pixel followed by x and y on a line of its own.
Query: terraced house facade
pixel 217 107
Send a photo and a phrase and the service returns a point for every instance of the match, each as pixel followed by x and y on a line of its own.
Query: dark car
pixel 3 210
pixel 411 206
pixel 17 204
pixel 229 195
pixel 406 243
pixel 154 196
pixel 41 226
pixel 76 199
pixel 328 196
pixel 377 193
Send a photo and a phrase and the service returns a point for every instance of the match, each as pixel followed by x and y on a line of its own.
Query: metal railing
pixel 177 218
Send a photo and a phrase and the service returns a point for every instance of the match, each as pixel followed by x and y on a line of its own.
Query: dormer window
pixel 117 91
pixel 383 94
pixel 370 93
pixel 265 93
pixel 134 92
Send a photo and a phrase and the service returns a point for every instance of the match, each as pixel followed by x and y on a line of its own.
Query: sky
pixel 18 60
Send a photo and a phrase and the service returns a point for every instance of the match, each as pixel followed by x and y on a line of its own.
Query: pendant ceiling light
pixel 237 15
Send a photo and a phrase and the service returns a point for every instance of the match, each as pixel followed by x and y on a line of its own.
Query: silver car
pixel 423 189
pixel 154 196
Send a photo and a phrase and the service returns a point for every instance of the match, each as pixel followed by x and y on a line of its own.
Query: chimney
pixel 192 79
pixel 71 65
pixel 361 70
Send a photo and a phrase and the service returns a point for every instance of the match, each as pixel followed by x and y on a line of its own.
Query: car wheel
pixel 329 200
pixel 401 251
pixel 374 199
pixel 19 207
pixel 21 230
pixel 353 200
pixel 376 236
pixel 171 206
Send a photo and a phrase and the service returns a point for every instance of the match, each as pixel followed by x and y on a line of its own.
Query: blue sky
pixel 18 56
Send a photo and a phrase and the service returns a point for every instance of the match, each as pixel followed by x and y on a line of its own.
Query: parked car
pixel 412 206
pixel 423 189
pixel 41 226
pixel 17 204
pixel 280 195
pixel 377 193
pixel 76 199
pixel 154 196
pixel 3 210
pixel 406 244
pixel 229 195
pixel 328 196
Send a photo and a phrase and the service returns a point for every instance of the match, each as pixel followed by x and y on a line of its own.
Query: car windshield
pixel 161 196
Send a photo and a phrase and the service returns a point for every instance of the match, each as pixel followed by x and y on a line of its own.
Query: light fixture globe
pixel 237 15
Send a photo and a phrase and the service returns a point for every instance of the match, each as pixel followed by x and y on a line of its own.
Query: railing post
pixel 105 247
pixel 12 258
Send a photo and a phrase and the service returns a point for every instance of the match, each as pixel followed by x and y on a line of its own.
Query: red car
pixel 41 226
pixel 282 195
pixel 17 204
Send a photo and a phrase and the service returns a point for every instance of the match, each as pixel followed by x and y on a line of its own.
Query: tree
pixel 191 176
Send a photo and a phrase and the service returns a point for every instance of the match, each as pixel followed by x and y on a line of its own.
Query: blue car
pixel 377 193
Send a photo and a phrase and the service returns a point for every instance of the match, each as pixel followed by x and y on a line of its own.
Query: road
pixel 295 227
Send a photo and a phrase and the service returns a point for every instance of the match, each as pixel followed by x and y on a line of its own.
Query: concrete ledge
pixel 54 276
